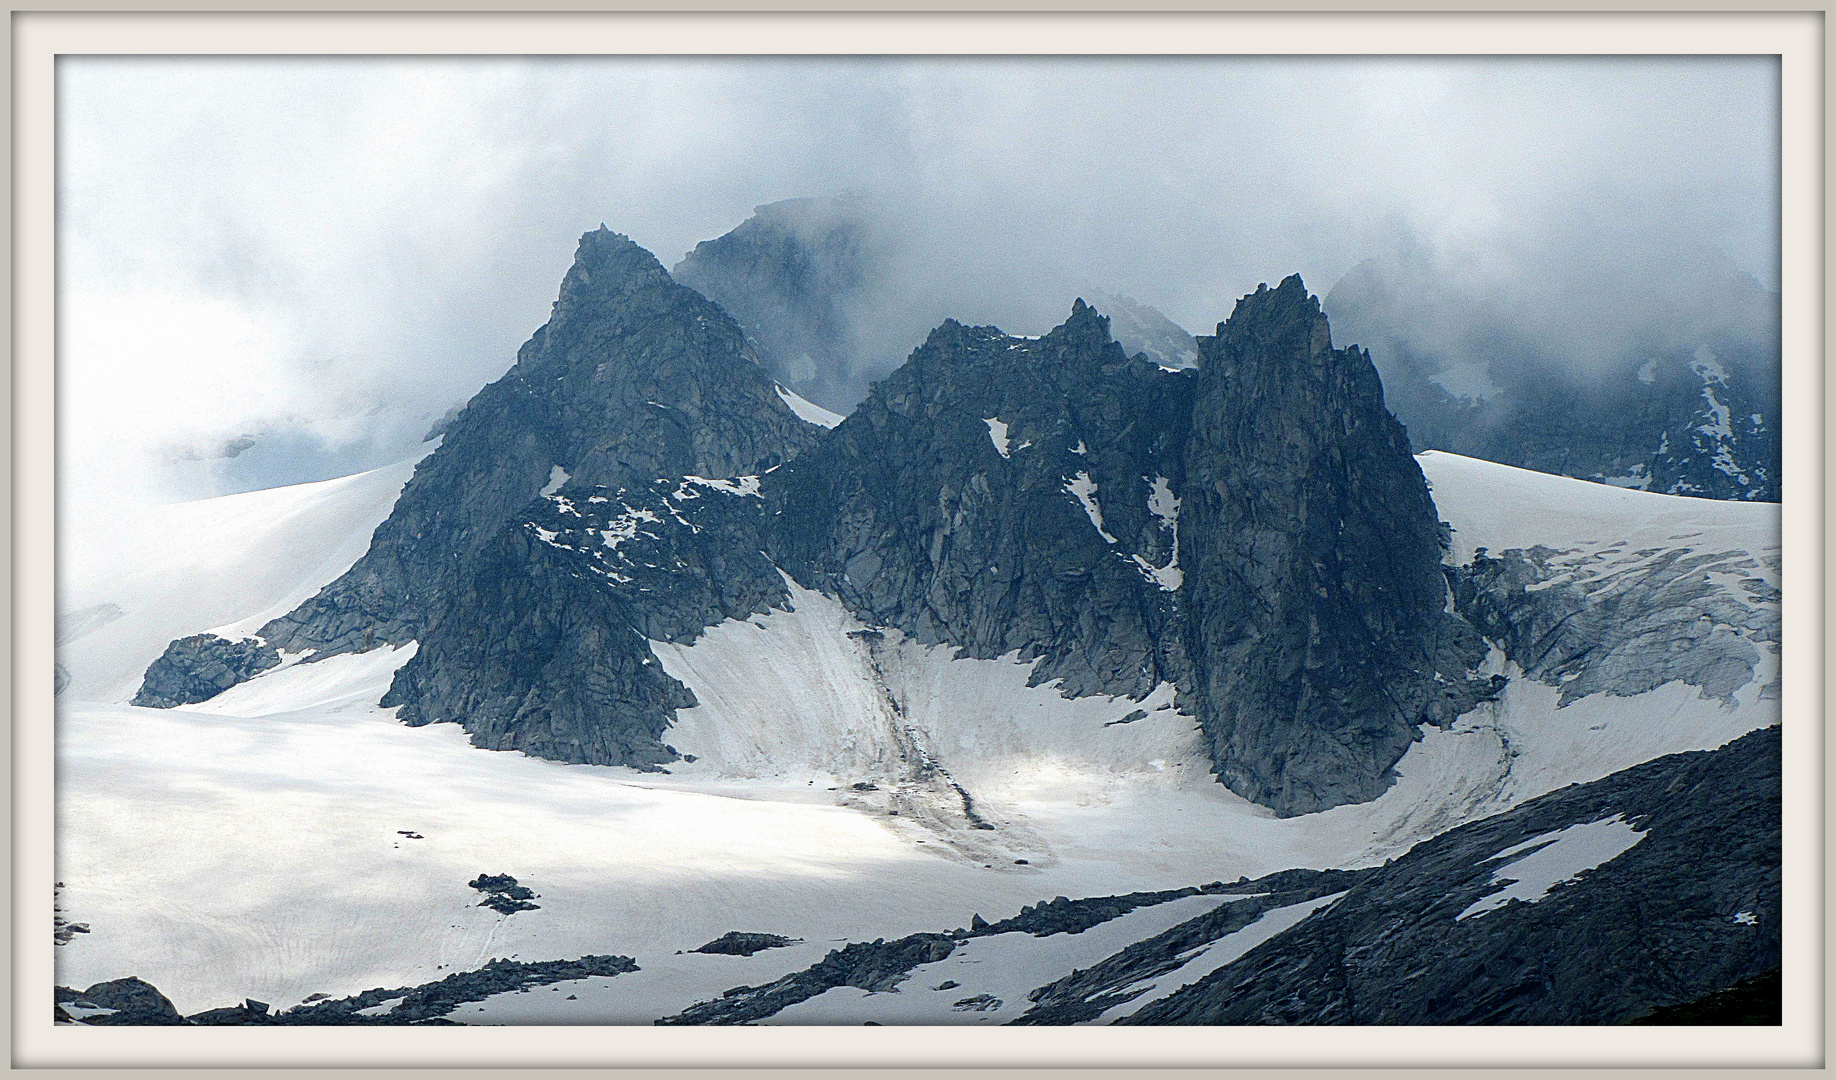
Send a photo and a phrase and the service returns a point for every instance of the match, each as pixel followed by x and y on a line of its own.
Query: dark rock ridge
pixel 1682 925
pixel 1687 404
pixel 874 966
pixel 1314 598
pixel 200 667
pixel 134 1002
pixel 632 378
pixel 1691 907
pixel 881 966
pixel 428 1003
pixel 999 494
pixel 1086 994
pixel 741 943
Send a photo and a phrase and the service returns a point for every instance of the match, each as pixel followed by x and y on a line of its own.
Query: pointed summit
pixel 633 378
pixel 1315 597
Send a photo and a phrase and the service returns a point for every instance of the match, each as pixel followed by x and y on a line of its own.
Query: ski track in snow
pixel 249 845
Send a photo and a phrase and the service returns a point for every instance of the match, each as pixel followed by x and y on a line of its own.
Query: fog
pixel 308 261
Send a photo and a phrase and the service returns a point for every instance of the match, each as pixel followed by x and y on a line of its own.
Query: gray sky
pixel 326 254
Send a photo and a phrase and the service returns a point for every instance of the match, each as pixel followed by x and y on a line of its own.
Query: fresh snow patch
pixel 739 485
pixel 997 434
pixel 809 411
pixel 1163 504
pixel 556 477
pixel 1558 858
pixel 1084 489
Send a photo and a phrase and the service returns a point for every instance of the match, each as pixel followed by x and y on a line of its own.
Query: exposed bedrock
pixel 1315 598
pixel 544 646
pixel 1005 494
pixel 633 377
pixel 1595 904
pixel 200 667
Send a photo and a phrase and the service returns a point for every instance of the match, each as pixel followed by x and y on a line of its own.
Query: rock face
pixel 1596 904
pixel 633 377
pixel 1686 406
pixel 1314 600
pixel 1004 494
pixel 200 667
pixel 544 646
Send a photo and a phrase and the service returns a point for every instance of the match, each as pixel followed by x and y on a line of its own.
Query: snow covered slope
pixel 254 845
pixel 224 565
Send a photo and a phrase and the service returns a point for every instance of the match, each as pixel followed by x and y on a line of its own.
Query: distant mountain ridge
pixel 828 294
pixel 1684 403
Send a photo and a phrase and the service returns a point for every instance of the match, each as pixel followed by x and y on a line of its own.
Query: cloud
pixel 326 253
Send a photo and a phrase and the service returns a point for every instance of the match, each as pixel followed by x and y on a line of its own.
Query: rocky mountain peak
pixel 634 377
pixel 1315 594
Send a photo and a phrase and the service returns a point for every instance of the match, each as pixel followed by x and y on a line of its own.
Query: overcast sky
pixel 326 254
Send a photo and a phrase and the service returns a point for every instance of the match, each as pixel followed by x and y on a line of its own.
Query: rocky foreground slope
pixel 1602 903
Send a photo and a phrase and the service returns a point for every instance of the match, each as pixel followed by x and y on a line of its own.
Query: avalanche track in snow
pixel 847 784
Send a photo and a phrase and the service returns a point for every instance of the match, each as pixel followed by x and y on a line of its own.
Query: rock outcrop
pixel 200 667
pixel 129 1002
pixel 1315 596
pixel 1005 494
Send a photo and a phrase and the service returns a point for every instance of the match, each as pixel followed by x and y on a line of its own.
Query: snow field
pixel 225 565
pixel 250 845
